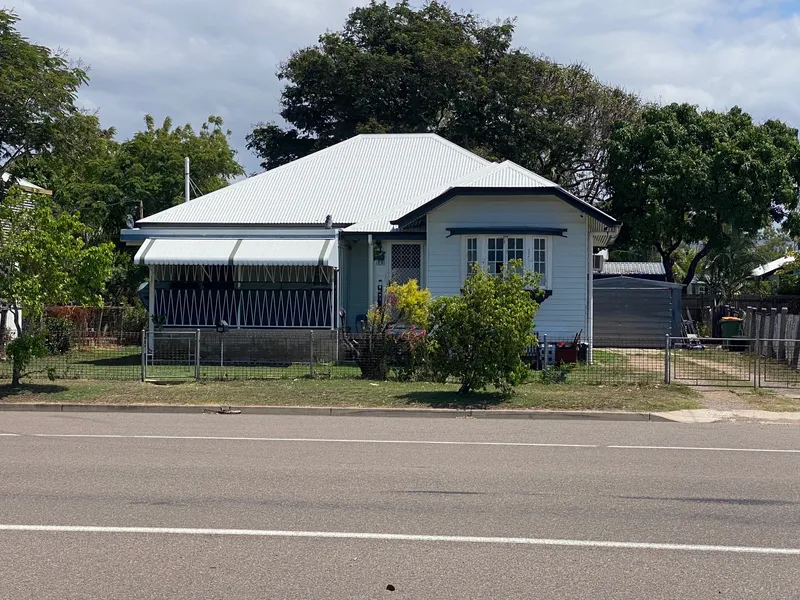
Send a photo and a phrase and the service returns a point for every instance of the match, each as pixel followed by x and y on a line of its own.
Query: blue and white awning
pixel 306 252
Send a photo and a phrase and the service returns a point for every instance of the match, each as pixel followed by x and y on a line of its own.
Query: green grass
pixel 357 393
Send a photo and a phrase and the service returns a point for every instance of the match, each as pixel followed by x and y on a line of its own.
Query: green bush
pixel 554 374
pixel 134 317
pixel 22 351
pixel 480 336
pixel 59 334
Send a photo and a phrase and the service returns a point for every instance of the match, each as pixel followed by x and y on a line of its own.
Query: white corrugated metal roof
pixel 266 252
pixel 352 181
pixel 26 185
pixel 772 266
pixel 633 268
pixel 504 175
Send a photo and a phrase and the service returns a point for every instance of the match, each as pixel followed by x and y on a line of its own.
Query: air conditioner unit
pixel 598 260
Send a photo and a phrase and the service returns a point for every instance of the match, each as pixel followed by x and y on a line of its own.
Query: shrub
pixel 22 351
pixel 393 335
pixel 59 334
pixel 134 317
pixel 554 374
pixel 480 336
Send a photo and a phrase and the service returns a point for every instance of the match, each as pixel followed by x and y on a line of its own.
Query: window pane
pixel 516 249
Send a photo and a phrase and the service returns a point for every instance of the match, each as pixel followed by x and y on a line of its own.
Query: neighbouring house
pixel 294 246
pixel 8 312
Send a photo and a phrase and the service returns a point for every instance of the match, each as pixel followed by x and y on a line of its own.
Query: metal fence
pixel 284 354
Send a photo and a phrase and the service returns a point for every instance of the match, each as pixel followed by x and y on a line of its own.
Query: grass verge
pixel 358 393
pixel 769 400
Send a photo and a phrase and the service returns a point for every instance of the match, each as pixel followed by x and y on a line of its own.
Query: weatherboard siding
pixel 563 314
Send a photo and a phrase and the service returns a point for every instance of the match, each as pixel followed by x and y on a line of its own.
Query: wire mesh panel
pixel 116 357
pixel 713 362
pixel 170 355
pixel 406 262
pixel 778 363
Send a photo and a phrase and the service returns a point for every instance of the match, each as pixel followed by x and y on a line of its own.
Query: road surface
pixel 103 505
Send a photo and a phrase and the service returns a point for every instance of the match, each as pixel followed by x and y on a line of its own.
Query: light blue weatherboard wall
pixel 562 315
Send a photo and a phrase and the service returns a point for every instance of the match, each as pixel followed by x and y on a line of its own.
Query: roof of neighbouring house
pixel 633 268
pixel 772 266
pixel 25 184
pixel 364 183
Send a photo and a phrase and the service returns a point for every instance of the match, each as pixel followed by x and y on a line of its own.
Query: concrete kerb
pixel 340 412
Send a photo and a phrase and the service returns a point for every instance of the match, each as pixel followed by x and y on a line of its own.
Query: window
pixel 539 258
pixel 472 254
pixel 496 258
pixel 494 252
pixel 406 263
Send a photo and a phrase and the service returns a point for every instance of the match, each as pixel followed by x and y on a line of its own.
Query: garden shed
pixel 636 312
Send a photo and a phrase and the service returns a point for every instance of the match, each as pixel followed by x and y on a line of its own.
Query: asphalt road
pixel 322 507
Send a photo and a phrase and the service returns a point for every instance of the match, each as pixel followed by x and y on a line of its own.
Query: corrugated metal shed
pixel 245 252
pixel 633 268
pixel 636 312
pixel 352 181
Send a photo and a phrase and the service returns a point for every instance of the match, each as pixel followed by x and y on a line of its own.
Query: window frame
pixel 528 250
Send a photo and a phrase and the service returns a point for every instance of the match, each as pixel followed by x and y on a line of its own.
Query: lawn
pixel 357 393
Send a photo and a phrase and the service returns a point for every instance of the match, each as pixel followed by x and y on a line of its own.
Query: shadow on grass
pixel 117 361
pixel 441 399
pixel 9 391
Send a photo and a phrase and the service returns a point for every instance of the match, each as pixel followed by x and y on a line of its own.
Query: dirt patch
pixel 721 399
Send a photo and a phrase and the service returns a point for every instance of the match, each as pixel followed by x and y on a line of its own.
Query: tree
pixel 38 88
pixel 44 260
pixel 104 180
pixel 727 270
pixel 684 178
pixel 481 335
pixel 394 69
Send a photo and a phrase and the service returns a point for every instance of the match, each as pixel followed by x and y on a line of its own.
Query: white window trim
pixel 483 254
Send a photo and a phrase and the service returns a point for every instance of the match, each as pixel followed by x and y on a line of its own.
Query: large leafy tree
pixel 104 180
pixel 396 69
pixel 38 88
pixel 685 179
pixel 44 260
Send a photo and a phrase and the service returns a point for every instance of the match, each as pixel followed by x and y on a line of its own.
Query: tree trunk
pixel 669 266
pixel 690 272
pixel 16 376
pixel 3 320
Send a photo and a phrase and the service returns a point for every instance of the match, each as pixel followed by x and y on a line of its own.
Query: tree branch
pixel 690 272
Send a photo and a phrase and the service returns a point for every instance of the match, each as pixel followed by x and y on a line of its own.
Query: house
pixel 294 246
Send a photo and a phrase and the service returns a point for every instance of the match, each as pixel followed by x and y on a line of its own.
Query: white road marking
pixel 411 442
pixel 9 435
pixel 402 537
pixel 320 440
pixel 703 449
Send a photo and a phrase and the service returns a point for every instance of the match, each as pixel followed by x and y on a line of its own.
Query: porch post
pixel 590 295
pixel 334 277
pixel 370 273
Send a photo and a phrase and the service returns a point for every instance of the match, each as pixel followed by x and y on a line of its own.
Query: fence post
pixel 757 359
pixel 197 356
pixel 667 357
pixel 311 357
pixel 144 354
pixel 544 357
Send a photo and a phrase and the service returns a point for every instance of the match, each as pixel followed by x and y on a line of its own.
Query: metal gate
pixel 170 355
pixel 733 362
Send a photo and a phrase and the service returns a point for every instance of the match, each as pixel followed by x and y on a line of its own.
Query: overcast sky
pixel 192 58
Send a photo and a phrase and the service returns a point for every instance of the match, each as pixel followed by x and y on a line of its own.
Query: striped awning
pixel 307 252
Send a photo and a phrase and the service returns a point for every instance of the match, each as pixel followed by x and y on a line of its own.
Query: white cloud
pixel 191 58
